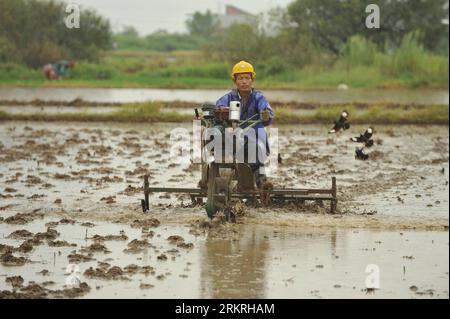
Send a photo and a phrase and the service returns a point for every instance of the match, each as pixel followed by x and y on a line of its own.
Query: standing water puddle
pixel 251 261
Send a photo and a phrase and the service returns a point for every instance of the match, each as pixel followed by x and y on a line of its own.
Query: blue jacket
pixel 256 103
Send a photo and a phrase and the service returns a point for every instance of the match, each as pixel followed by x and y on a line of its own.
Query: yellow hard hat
pixel 243 67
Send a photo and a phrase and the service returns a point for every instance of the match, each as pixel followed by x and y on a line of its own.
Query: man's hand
pixel 265 115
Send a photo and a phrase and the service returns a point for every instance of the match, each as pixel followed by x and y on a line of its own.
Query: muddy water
pixel 393 212
pixel 83 164
pixel 255 262
pixel 200 96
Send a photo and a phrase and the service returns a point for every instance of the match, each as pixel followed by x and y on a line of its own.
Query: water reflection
pixel 235 268
pixel 244 266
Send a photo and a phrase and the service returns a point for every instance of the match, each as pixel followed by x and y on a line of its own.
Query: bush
pixel 410 57
pixel 358 51
pixel 273 66
pixel 13 71
pixel 38 32
pixel 7 49
pixel 413 62
pixel 88 71
pixel 160 41
pixel 238 42
pixel 37 55
pixel 210 70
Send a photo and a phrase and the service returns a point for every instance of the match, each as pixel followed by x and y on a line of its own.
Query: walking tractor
pixel 232 178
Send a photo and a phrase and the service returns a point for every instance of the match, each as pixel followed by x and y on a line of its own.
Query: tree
pixel 200 24
pixel 238 42
pixel 332 22
pixel 86 42
pixel 39 34
pixel 129 31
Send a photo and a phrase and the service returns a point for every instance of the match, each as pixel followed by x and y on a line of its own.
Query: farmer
pixel 63 66
pixel 252 102
pixel 50 72
pixel 58 70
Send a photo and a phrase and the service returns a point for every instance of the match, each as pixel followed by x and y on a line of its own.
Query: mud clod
pixel 146 286
pixel 7 259
pixel 145 223
pixel 186 245
pixel 137 246
pixel 60 243
pixel 66 221
pixel 162 257
pixel 95 247
pixel 20 234
pixel 175 239
pixel 113 273
pixel 25 247
pixel 22 218
pixel 78 258
pixel 50 234
pixel 109 237
pixel 15 281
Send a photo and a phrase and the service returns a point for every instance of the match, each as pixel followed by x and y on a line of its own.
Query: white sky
pixel 148 16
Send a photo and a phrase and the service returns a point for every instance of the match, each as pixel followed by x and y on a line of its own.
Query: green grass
pixel 360 66
pixel 323 114
pixel 374 114
pixel 11 72
pixel 315 77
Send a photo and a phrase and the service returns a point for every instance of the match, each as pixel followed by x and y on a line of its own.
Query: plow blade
pixel 279 194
